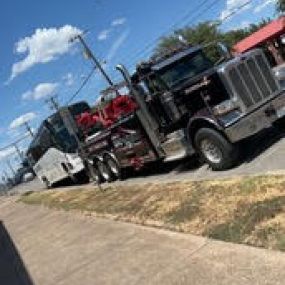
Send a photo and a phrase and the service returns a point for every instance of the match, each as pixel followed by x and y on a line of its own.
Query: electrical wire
pixel 15 142
pixel 235 10
pixel 85 81
pixel 194 10
pixel 206 9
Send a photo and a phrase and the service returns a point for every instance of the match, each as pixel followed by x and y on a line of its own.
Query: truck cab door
pixel 154 93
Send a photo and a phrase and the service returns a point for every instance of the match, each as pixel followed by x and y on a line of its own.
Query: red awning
pixel 273 30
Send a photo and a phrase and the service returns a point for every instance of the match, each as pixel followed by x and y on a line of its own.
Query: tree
pixel 280 6
pixel 206 32
pixel 202 33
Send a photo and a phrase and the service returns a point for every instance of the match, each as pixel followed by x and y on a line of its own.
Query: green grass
pixel 248 210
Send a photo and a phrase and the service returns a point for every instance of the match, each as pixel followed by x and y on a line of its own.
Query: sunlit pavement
pixel 262 154
pixel 67 248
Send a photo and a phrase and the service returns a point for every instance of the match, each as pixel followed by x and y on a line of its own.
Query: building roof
pixel 272 30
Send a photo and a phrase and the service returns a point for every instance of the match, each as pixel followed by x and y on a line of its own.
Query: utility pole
pixel 29 129
pixel 91 56
pixel 53 103
pixel 72 128
pixel 19 152
pixel 11 167
pixel 6 179
pixel 6 175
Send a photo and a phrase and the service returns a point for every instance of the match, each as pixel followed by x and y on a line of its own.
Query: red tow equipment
pixel 120 106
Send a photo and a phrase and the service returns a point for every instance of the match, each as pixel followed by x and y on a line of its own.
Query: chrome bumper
pixel 260 119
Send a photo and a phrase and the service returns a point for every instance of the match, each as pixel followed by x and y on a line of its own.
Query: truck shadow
pixel 258 144
pixel 81 179
pixel 251 149
pixel 178 166
pixel 12 267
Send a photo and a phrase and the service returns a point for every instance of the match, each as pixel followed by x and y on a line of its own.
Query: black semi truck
pixel 188 104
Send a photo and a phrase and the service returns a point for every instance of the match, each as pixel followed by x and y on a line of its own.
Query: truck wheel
pixel 46 183
pixel 215 149
pixel 113 166
pixel 73 179
pixel 94 175
pixel 105 171
pixel 92 172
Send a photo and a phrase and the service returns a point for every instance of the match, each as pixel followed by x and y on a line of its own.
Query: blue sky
pixel 36 61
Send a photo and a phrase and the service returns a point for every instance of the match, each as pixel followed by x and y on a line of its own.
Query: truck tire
pixel 113 166
pixel 105 171
pixel 215 149
pixel 92 172
pixel 95 175
pixel 46 183
pixel 74 179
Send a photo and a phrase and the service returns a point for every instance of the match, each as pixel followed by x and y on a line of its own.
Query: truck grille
pixel 252 79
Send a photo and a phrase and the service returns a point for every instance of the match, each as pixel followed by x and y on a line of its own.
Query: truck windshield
pixel 185 68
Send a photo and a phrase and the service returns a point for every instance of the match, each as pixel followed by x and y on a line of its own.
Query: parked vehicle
pixel 54 151
pixel 28 177
pixel 187 104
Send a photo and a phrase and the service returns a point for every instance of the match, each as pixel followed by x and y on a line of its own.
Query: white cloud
pixel 22 119
pixel 69 79
pixel 42 90
pixel 6 152
pixel 242 25
pixel 233 6
pixel 103 35
pixel 118 22
pixel 43 46
pixel 263 5
pixel 116 45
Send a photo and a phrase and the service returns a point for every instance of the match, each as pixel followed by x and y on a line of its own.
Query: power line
pixel 235 10
pixel 29 129
pixel 52 102
pixel 97 65
pixel 206 9
pixel 15 142
pixel 89 54
pixel 11 167
pixel 192 19
pixel 150 45
pixel 85 81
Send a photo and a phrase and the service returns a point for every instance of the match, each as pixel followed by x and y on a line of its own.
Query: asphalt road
pixel 261 154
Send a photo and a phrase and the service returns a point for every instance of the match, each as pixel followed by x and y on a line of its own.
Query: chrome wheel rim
pixel 211 151
pixel 103 169
pixel 96 176
pixel 113 166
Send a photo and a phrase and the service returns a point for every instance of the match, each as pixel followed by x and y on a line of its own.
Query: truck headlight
pixel 279 73
pixel 224 107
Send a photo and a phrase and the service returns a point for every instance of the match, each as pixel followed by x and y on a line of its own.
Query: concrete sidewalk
pixel 69 248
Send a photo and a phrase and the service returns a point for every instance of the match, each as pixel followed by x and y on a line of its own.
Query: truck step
pixel 175 146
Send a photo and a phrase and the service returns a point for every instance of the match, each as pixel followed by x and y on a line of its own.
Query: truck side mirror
pixel 224 49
